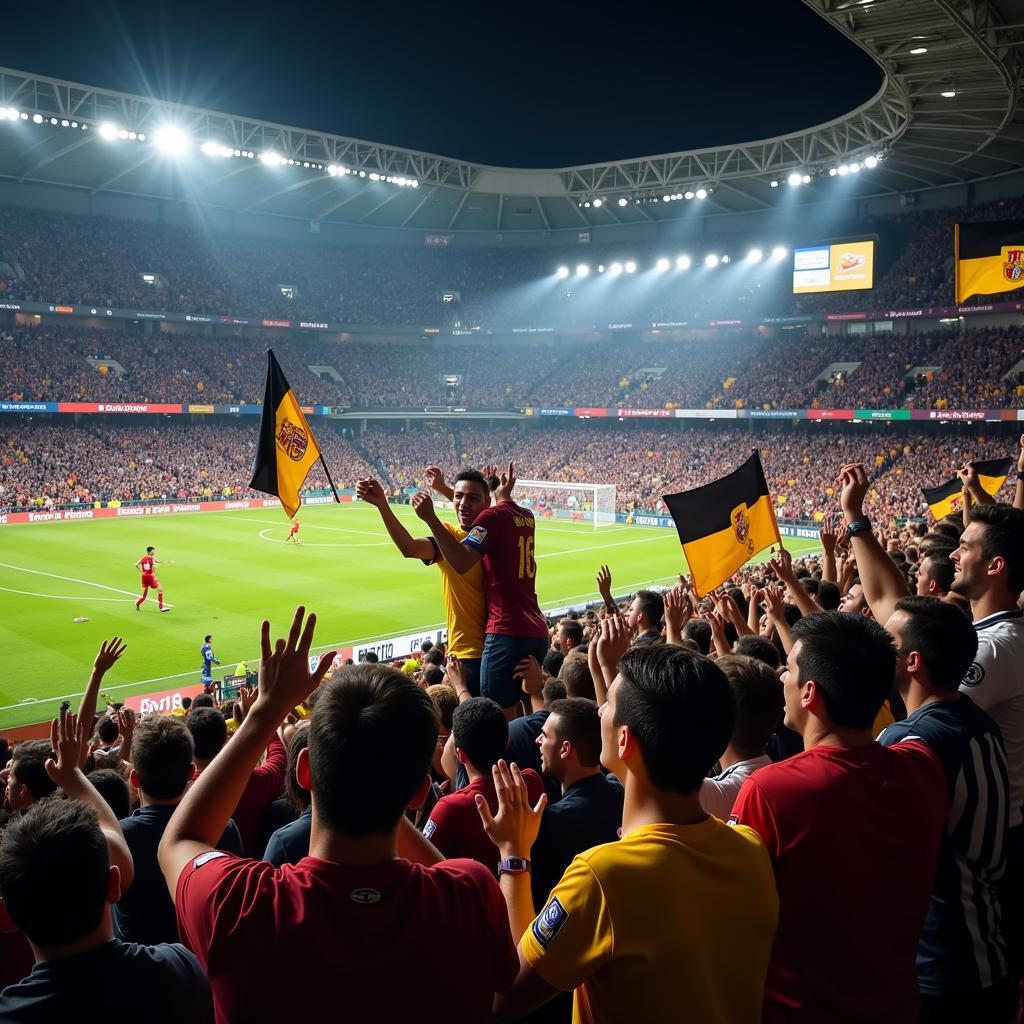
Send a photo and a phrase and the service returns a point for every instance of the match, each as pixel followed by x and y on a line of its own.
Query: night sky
pixel 527 85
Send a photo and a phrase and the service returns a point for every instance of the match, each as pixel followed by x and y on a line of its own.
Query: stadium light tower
pixel 170 139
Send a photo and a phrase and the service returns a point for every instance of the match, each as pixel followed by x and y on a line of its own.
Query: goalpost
pixel 583 502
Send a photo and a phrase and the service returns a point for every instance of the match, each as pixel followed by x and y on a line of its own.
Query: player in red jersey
pixel 147 566
pixel 293 533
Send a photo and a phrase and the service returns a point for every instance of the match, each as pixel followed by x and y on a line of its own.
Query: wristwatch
pixel 513 866
pixel 861 525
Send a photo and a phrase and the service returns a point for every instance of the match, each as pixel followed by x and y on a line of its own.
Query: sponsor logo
pixel 901 314
pixel 205 858
pixel 619 327
pixel 429 829
pixel 3 520
pixel 62 309
pixel 851 261
pixel 10 305
pixel 975 674
pixel 314 324
pixel 549 922
pixel 533 330
pixel 235 504
pixel 187 508
pixel 84 514
pixel 159 510
pixel 553 412
pixel 1013 264
pixel 42 517
pixel 135 511
pixel 292 440
pixel 364 895
pixel 478 534
pixel 271 502
pixel 194 318
pixel 150 316
pixel 277 323
pixel 670 323
pixel 740 519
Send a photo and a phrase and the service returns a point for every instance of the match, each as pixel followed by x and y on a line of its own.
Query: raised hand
pixel 246 698
pixel 371 492
pixel 110 651
pixel 853 479
pixel 423 506
pixel 69 740
pixel 455 674
pixel 678 610
pixel 435 478
pixel 829 535
pixel 532 675
pixel 782 565
pixel 613 644
pixel 506 482
pixel 513 830
pixel 773 604
pixel 604 585
pixel 125 719
pixel 285 680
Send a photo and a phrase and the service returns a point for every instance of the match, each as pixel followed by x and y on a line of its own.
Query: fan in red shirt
pixel 480 734
pixel 853 829
pixel 352 921
pixel 147 566
pixel 504 537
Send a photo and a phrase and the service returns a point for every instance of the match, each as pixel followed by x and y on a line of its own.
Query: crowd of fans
pixel 50 464
pixel 853 715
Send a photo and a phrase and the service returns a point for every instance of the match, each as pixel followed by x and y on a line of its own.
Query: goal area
pixel 579 502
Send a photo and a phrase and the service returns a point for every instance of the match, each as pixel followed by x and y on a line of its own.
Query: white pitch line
pixel 313 544
pixel 307 526
pixel 63 597
pixel 601 547
pixel 72 579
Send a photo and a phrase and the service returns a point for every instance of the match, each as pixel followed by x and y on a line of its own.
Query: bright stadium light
pixel 623 201
pixel 663 264
pixel 855 168
pixel 948 94
pixel 755 256
pixel 630 267
pixel 271 159
pixel 598 202
pixel 108 131
pixel 832 172
pixel 582 270
pixel 687 195
pixel 701 193
pixel 683 263
pixel 562 273
pixel 213 148
pixel 794 179
pixel 11 113
pixel 844 170
pixel 918 50
pixel 616 268
pixel 726 259
pixel 170 139
pixel 806 179
pixel 775 183
pixel 711 260
pixel 871 162
pixel 779 253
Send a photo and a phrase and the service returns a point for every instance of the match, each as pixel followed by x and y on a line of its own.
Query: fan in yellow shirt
pixel 465 607
pixel 676 920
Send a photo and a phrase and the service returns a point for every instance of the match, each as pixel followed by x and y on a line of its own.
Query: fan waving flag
pixel 286 449
pixel 947 498
pixel 988 258
pixel 722 525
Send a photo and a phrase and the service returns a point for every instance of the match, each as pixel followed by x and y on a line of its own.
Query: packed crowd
pixel 552 796
pixel 965 368
pixel 103 261
pixel 49 464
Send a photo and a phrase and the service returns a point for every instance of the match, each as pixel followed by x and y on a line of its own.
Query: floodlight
pixel 271 159
pixel 948 94
pixel 794 179
pixel 598 202
pixel 616 268
pixel 755 255
pixel 844 170
pixel 108 131
pixel 582 270
pixel 171 140
pixel 711 260
pixel 683 262
pixel 623 201
pixel 854 168
pixel 832 172
pixel 806 179
pixel 663 264
pixel 600 268
pixel 779 252
pixel 12 113
pixel 586 202
pixel 630 267
pixel 701 193
pixel 918 50
pixel 332 170
pixel 37 118
pixel 688 195
pixel 562 273
pixel 775 184
pixel 871 162
pixel 726 259
pixel 666 199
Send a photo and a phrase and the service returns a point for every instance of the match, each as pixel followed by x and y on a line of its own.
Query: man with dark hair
pixel 645 617
pixel 575 673
pixel 209 660
pixel 866 811
pixel 570 634
pixel 209 733
pixel 699 631
pixel 110 785
pixel 502 540
pixel 366 886
pixel 162 764
pixel 462 593
pixel 935 575
pixel 203 700
pixel 26 780
pixel 828 596
pixel 962 963
pixel 758 647
pixel 675 918
pixel 480 735
pixel 107 733
pixel 62 865
pixel 758 694
pixel 553 662
pixel 589 811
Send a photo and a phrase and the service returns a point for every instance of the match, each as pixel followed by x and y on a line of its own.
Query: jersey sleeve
pixel 486 529
pixel 572 936
pixel 438 828
pixel 752 808
pixel 994 675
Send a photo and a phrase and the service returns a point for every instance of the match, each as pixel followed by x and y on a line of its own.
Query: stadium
pixel 621 332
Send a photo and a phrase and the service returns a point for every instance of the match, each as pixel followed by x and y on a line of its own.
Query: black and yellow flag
pixel 286 449
pixel 989 258
pixel 722 525
pixel 947 498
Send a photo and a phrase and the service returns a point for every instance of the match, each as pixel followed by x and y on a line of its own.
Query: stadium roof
pixel 947 112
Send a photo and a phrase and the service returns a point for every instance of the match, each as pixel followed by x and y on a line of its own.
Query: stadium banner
pixel 770 320
pixel 129 407
pixel 881 414
pixel 951 414
pixel 201 408
pixel 773 414
pixel 399 646
pixel 830 414
pixel 164 702
pixel 554 412
pixel 929 312
pixel 706 414
pixel 28 406
pixel 642 413
pixel 63 515
pixel 275 323
pixel 585 412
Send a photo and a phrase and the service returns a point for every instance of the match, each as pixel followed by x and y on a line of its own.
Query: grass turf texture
pixel 231 570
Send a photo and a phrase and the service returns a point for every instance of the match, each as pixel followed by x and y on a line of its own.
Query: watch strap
pixel 513 866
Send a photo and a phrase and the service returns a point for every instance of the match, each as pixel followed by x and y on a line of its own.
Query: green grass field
pixel 231 570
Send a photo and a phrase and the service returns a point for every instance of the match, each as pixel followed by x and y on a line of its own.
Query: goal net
pixel 584 503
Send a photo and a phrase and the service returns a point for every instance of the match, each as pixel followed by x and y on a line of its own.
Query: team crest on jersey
pixel 429 829
pixel 477 534
pixel 364 895
pixel 740 519
pixel 975 674
pixel 205 858
pixel 956 503
pixel 292 440
pixel 1013 265
pixel 549 922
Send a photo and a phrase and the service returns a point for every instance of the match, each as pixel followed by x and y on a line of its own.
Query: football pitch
pixel 232 569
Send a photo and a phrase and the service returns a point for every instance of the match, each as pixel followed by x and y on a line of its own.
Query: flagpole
pixel 329 480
